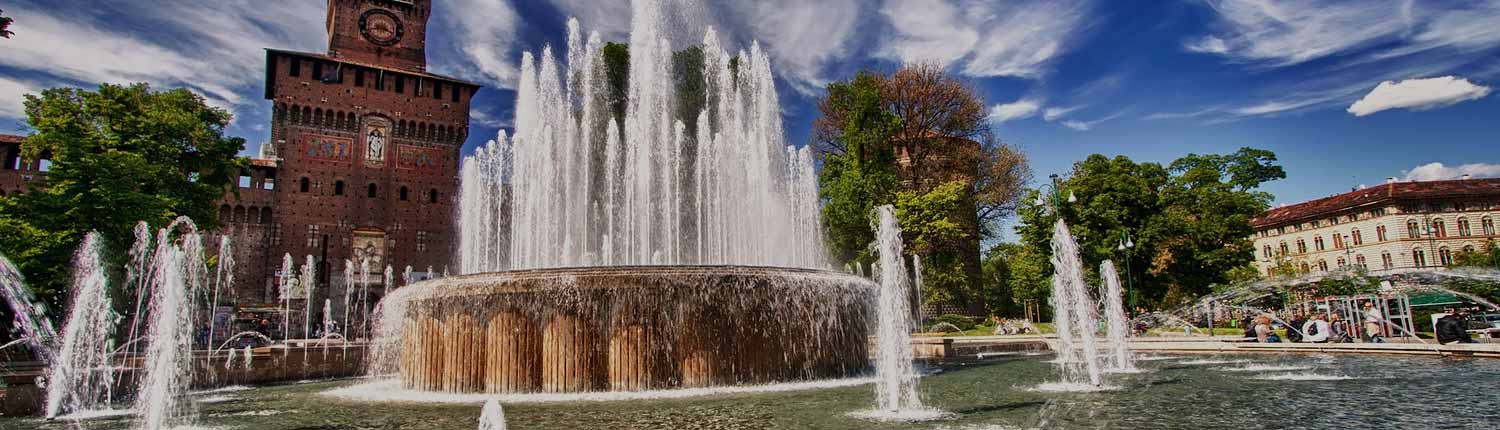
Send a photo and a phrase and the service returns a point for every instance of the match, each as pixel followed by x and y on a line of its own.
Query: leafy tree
pixel 120 155
pixel 858 164
pixel 1189 221
pixel 5 25
pixel 1488 257
pixel 928 228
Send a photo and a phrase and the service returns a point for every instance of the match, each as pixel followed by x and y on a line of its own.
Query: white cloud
pixel 485 31
pixel 1208 44
pixel 1053 113
pixel 610 18
pixel 1435 171
pixel 1294 31
pixel 1081 125
pixel 1020 109
pixel 1418 94
pixel 214 49
pixel 981 38
pixel 12 94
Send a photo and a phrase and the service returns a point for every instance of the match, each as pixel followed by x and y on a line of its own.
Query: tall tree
pixel 5 25
pixel 859 166
pixel 119 155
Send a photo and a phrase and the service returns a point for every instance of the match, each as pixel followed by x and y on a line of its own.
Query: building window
pixel 1342 264
pixel 304 184
pixel 1380 233
pixel 338 188
pixel 1338 241
pixel 1322 265
pixel 359 77
pixel 296 67
pixel 437 90
pixel 1305 268
pixel 1318 243
pixel 403 193
pixel 1439 229
pixel 1488 224
pixel 1266 251
pixel 1283 249
pixel 275 234
pixel 312 235
pixel 317 70
pixel 1377 212
pixel 453 95
pixel 1385 260
pixel 1463 227
pixel 1418 258
pixel 1445 257
pixel 421 241
pixel 1316 224
pixel 1301 246
pixel 1354 234
pixel 370 192
pixel 400 85
pixel 432 196
pixel 1359 260
pixel 245 181
pixel 1413 231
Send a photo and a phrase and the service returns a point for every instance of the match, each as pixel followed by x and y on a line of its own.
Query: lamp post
pixel 1348 251
pixel 1127 246
pixel 1053 201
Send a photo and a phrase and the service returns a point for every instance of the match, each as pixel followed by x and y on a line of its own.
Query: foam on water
pixel 90 414
pixel 904 415
pixel 1266 368
pixel 1071 387
pixel 1306 376
pixel 389 390
pixel 1212 361
pixel 215 399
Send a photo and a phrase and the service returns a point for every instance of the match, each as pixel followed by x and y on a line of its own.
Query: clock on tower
pixel 388 32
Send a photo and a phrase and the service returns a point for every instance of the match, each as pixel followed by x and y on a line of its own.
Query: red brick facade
pixel 16 173
pixel 365 161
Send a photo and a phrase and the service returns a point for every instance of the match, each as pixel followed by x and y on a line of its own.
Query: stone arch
pixel 239 214
pixel 280 112
pixel 307 114
pixel 317 117
pixel 265 215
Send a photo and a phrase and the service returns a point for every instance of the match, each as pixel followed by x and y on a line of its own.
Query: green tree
pixel 119 155
pixel 859 166
pixel 5 25
pixel 927 227
pixel 1487 257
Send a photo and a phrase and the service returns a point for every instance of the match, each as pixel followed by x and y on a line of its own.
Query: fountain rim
pixel 490 279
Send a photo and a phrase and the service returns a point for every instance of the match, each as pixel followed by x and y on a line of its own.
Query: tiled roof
pixel 1377 194
pixel 11 138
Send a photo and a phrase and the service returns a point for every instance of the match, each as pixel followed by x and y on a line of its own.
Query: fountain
pixel 492 417
pixel 630 253
pixel 30 317
pixel 1117 326
pixel 1073 314
pixel 176 276
pixel 896 378
pixel 80 377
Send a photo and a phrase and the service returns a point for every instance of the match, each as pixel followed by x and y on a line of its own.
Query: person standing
pixel 1263 333
pixel 1315 330
pixel 1295 327
pixel 1373 324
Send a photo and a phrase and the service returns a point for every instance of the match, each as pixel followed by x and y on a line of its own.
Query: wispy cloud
pixel 1435 171
pixel 485 34
pixel 1418 94
pixel 982 39
pixel 11 97
pixel 1294 31
pixel 1019 109
pixel 1054 113
pixel 1081 125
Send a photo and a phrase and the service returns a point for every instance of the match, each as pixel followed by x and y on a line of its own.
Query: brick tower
pixel 363 158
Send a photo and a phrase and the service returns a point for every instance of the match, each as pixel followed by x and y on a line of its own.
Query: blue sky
pixel 1346 93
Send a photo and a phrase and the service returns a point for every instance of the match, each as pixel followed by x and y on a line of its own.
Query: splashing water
pixel 586 188
pixel 1117 326
pixel 1073 313
pixel 30 323
pixel 896 378
pixel 177 276
pixel 79 379
pixel 492 417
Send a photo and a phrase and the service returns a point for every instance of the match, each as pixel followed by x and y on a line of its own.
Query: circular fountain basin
pixel 626 328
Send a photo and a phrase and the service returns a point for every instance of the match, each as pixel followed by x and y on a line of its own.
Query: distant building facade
pixel 362 162
pixel 1394 226
pixel 17 173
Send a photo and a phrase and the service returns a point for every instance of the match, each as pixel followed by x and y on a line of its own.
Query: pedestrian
pixel 1338 330
pixel 1450 329
pixel 1316 330
pixel 1294 328
pixel 1373 324
pixel 1262 329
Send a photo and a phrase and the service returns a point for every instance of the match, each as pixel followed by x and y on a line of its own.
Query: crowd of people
pixel 1332 328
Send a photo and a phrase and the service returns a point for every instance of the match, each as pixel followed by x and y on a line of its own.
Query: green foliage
pixel 862 176
pixel 1487 257
pixel 962 322
pixel 617 77
pixel 1487 290
pixel 1189 222
pixel 5 25
pixel 120 155
pixel 687 73
pixel 928 230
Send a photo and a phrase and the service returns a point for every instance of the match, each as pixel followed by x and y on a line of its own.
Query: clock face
pixel 380 27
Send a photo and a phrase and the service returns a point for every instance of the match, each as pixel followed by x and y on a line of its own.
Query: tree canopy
pixel 5 25
pixel 119 155
pixel 1188 221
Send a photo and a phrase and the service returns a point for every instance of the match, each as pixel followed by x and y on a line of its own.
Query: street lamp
pixel 1055 201
pixel 1127 246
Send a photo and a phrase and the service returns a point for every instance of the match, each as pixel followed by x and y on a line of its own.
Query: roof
pixel 263 162
pixel 1377 194
pixel 11 138
pixel 270 68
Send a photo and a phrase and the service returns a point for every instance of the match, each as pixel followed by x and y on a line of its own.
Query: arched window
pixel 317 116
pixel 1359 260
pixel 304 184
pixel 338 188
pixel 1318 242
pixel 1266 251
pixel 1301 246
pixel 1445 257
pixel 1439 229
pixel 1418 258
pixel 225 214
pixel 1468 249
pixel 1413 230
pixel 1341 262
pixel 370 191
pixel 1322 265
pixel 1380 233
pixel 1354 235
pixel 265 215
pixel 1305 268
pixel 307 114
pixel 1463 227
pixel 403 193
pixel 1488 224
pixel 1385 260
pixel 239 214
pixel 432 196
pixel 1284 249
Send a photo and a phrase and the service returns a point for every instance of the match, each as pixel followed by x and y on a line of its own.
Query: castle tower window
pixel 432 196
pixel 312 235
pixel 370 191
pixel 225 214
pixel 338 188
pixel 403 193
pixel 317 70
pixel 453 95
pixel 296 67
pixel 265 215
pixel 239 214
pixel 400 85
pixel 359 77
pixel 304 185
pixel 437 90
